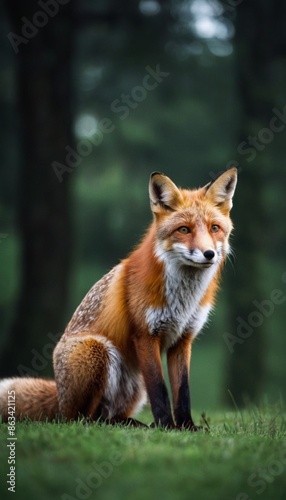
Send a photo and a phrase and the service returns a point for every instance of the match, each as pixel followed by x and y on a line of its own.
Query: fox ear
pixel 164 194
pixel 220 192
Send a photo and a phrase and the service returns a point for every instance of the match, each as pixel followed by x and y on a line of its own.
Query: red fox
pixel 109 358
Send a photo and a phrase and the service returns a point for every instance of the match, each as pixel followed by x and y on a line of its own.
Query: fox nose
pixel 209 254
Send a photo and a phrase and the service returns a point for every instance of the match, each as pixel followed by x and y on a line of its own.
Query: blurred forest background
pixel 94 96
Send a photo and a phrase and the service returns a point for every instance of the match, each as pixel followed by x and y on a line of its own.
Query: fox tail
pixel 32 398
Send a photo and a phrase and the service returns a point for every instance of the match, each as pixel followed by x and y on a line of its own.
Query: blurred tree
pixel 259 42
pixel 42 42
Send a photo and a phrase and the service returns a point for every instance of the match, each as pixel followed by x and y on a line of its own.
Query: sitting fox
pixel 158 299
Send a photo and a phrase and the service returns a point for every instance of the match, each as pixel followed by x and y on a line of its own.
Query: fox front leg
pixel 148 353
pixel 179 357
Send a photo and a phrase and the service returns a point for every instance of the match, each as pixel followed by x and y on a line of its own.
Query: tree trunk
pixel 43 76
pixel 256 47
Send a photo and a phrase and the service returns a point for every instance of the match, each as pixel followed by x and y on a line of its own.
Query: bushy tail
pixel 34 398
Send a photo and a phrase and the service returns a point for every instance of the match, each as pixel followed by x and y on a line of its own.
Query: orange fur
pixel 156 299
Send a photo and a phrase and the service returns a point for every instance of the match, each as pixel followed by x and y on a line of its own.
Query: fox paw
pixel 191 427
pixel 168 427
pixel 127 422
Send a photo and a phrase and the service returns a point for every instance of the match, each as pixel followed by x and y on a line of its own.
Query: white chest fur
pixel 184 289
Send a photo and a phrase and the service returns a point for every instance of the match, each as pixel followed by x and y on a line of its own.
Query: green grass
pixel 242 457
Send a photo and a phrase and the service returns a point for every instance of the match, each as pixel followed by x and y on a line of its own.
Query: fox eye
pixel 184 230
pixel 215 228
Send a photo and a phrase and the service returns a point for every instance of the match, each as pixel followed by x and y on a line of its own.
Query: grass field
pixel 242 457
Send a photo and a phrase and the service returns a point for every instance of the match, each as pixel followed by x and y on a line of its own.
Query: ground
pixel 242 457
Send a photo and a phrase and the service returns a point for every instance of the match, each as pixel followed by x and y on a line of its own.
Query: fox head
pixel 192 226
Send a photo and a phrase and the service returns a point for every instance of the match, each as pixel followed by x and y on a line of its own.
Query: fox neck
pixel 178 298
pixel 187 284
